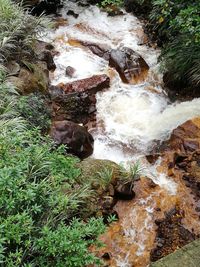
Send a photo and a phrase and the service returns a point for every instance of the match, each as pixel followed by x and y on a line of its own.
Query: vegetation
pixel 177 25
pixel 18 30
pixel 40 197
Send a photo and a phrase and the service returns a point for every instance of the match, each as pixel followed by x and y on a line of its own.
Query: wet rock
pixel 186 137
pixel 76 101
pixel 72 13
pixel 47 57
pixel 76 137
pixel 131 67
pixel 170 235
pixel 98 49
pixel 70 71
pixel 91 85
pixel 124 191
pixel 140 9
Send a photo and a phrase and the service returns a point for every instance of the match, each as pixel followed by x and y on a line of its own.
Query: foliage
pixel 108 4
pixel 39 197
pixel 34 108
pixel 177 26
pixel 18 30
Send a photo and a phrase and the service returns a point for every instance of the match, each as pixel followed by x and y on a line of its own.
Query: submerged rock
pixel 131 67
pixel 76 137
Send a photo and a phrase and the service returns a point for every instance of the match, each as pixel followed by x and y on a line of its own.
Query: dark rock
pixel 76 101
pixel 140 9
pixel 47 57
pixel 76 137
pixel 131 67
pixel 170 234
pixel 72 13
pixel 98 49
pixel 46 6
pixel 124 191
pixel 70 71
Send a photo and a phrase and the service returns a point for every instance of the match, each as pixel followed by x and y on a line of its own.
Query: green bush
pixel 40 197
pixel 177 27
pixel 35 109
pixel 18 30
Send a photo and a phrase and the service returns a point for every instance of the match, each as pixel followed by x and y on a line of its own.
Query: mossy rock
pixel 101 176
pixel 32 78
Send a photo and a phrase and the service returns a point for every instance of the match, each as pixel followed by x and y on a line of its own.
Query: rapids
pixel 130 120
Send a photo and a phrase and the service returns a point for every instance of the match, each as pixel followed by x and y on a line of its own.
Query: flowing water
pixel 130 119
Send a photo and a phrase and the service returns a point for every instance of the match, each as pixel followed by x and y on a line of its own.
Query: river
pixel 131 119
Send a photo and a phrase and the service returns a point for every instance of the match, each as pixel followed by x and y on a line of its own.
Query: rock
pixel 70 71
pixel 170 234
pixel 35 79
pixel 186 137
pixel 76 137
pixel 13 67
pixel 76 101
pixel 140 9
pixel 188 256
pixel 98 49
pixel 46 6
pixel 100 175
pixel 124 191
pixel 90 85
pixel 131 67
pixel 47 57
pixel 72 13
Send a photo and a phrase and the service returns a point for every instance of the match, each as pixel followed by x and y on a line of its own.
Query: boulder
pixel 98 49
pixel 91 85
pixel 76 137
pixel 47 57
pixel 131 67
pixel 34 78
pixel 124 191
pixel 76 101
pixel 186 137
pixel 101 176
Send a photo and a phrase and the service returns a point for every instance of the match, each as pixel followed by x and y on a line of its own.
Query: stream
pixel 131 118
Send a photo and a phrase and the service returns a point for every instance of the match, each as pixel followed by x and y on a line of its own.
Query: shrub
pixel 18 30
pixel 35 109
pixel 40 197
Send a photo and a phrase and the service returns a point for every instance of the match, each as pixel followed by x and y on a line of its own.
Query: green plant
pixel 35 110
pixel 18 30
pixel 105 176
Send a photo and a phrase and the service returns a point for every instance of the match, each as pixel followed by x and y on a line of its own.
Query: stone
pixel 76 101
pixel 76 137
pixel 47 57
pixel 124 191
pixel 70 71
pixel 34 80
pixel 188 256
pixel 131 67
pixel 92 84
pixel 98 49
pixel 72 13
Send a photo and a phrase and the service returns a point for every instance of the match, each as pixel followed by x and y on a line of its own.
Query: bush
pixel 18 30
pixel 40 198
pixel 35 109
pixel 177 26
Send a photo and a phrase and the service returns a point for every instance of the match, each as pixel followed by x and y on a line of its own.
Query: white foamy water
pixel 130 118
